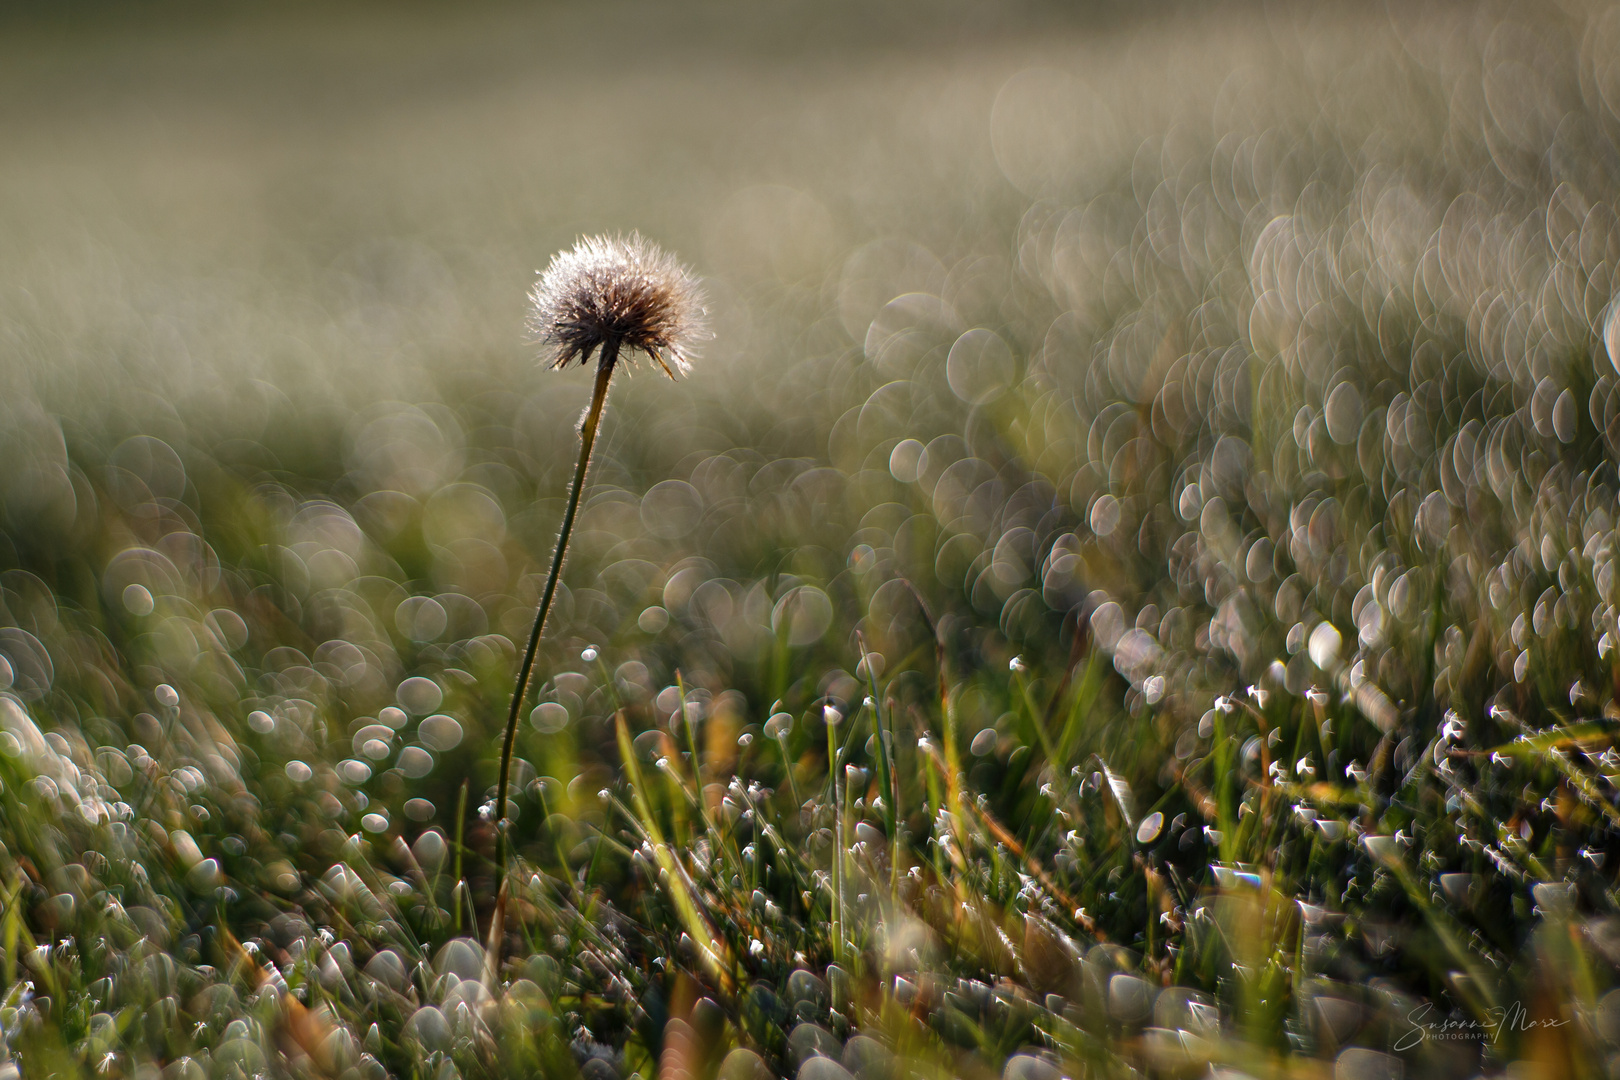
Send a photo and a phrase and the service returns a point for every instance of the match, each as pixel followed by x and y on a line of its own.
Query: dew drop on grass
pixel 419 696
pixel 415 762
pixel 419 809
pixel 589 655
pixel 1153 689
pixel 1190 505
pixel 1105 515
pixel 1343 413
pixel 1257 564
pixel 668 699
pixel 261 721
pixel 298 772
pixel 205 875
pixel 652 619
pixel 1324 646
pixel 430 848
pixel 441 732
pixel 421 618
pixel 374 822
pixel 369 732
pixel 671 509
pixel 428 1028
pixel 983 742
pixel 228 627
pixel 138 599
pixel 805 612
pixel 394 718
pixel 1565 417
pixel 1108 624
pixel 980 366
pixel 1148 831
pixel 548 718
pixel 166 696
pixel 904 460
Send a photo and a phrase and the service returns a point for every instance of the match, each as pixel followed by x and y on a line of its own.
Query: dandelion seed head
pixel 617 288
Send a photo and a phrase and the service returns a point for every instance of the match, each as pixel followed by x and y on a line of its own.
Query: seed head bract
pixel 621 288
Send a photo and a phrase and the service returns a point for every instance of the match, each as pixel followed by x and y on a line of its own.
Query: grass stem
pixel 887 781
pixel 833 755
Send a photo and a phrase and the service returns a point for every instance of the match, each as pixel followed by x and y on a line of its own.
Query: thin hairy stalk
pixel 587 440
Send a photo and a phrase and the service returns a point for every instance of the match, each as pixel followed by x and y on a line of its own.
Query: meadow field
pixel 1127 590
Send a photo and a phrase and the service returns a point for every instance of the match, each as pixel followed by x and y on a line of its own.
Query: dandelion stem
pixel 587 439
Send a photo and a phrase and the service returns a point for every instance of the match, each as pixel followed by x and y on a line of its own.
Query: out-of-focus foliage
pixel 1132 586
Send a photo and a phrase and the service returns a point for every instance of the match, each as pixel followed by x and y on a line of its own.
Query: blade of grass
pixel 461 825
pixel 891 792
pixel 680 893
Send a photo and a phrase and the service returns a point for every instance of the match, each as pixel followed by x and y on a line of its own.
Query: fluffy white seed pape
pixel 620 288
